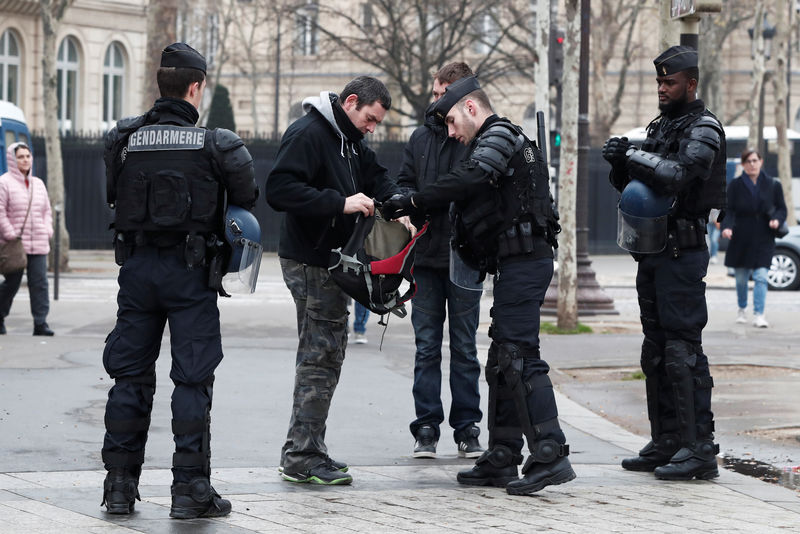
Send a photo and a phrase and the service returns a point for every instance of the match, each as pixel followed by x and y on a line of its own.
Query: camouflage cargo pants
pixel 322 331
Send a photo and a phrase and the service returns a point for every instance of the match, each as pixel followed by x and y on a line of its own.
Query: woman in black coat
pixel 755 210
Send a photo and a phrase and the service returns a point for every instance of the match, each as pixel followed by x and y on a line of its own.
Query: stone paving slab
pixel 412 499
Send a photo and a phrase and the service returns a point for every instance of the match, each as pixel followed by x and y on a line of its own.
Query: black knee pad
pixel 679 359
pixel 651 357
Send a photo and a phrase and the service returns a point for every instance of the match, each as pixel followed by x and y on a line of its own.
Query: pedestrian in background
pixel 360 316
pixel 25 212
pixel 713 229
pixel 429 155
pixel 168 181
pixel 756 204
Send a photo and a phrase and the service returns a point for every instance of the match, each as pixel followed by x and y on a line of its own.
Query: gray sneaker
pixel 425 447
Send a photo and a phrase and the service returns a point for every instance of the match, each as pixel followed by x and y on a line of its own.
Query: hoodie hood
pixel 324 105
pixel 11 163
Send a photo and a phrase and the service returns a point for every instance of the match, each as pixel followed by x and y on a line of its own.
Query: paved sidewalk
pixel 51 398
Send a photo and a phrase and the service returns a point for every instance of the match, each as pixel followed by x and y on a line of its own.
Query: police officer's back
pixel 168 181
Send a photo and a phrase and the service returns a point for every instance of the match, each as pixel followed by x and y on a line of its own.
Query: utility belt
pixel 685 234
pixel 517 240
pixel 195 249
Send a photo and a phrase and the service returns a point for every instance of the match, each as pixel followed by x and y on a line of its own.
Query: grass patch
pixel 636 375
pixel 550 328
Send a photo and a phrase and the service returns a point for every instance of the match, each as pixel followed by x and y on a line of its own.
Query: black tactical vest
pixel 522 197
pixel 664 137
pixel 167 181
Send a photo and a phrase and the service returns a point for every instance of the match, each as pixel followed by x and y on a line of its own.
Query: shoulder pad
pixel 129 124
pixel 707 134
pixel 226 140
pixel 495 147
pixel 709 121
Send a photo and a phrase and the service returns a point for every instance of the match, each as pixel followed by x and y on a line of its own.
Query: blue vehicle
pixel 13 128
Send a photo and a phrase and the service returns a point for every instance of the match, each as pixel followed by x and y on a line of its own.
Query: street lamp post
pixel 768 32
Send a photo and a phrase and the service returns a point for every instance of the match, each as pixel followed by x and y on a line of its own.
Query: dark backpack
pixel 371 281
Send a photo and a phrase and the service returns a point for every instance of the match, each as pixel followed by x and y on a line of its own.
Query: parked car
pixel 784 273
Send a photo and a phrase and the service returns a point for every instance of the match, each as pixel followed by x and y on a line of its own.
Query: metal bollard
pixel 57 252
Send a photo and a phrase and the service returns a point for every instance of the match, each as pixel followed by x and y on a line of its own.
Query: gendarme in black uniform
pixel 167 180
pixel 683 157
pixel 505 225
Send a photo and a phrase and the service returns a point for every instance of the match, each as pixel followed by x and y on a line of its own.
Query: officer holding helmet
pixel 668 188
pixel 504 224
pixel 167 181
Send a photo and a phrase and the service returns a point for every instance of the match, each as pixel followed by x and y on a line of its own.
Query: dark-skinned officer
pixel 167 180
pixel 505 225
pixel 681 167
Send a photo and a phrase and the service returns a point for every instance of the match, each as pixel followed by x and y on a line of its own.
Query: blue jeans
pixel 360 321
pixel 759 287
pixel 713 239
pixel 436 298
pixel 37 287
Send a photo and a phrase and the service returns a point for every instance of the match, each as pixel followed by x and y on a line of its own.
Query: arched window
pixel 113 82
pixel 9 67
pixel 67 64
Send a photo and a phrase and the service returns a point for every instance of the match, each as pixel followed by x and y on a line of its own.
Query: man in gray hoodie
pixel 324 175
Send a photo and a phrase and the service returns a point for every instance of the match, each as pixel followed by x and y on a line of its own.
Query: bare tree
pixel 759 73
pixel 613 27
pixel 783 34
pixel 52 12
pixel 568 177
pixel 408 40
pixel 162 16
pixel 715 29
pixel 226 15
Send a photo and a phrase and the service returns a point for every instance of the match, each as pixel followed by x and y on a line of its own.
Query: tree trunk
pixel 759 70
pixel 568 177
pixel 541 69
pixel 780 86
pixel 162 17
pixel 52 13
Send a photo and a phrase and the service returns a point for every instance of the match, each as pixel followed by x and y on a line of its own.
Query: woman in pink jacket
pixel 18 189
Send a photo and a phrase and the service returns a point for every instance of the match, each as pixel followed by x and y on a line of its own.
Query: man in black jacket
pixel 429 155
pixel 324 175
pixel 167 180
pixel 505 224
pixel 682 160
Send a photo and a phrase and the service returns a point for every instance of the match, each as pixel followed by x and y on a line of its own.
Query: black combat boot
pixel 495 467
pixel 654 454
pixel 197 498
pixel 547 466
pixel 120 491
pixel 697 461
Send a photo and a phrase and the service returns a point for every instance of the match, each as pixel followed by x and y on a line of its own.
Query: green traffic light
pixel 557 140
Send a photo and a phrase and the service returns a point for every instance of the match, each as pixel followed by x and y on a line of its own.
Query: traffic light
pixel 556 56
pixel 555 147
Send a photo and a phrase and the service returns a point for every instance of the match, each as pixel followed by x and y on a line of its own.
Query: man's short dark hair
pixel 693 73
pixel 174 82
pixel 479 96
pixel 452 72
pixel 368 90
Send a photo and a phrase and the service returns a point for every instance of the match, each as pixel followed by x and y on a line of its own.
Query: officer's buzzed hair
pixel 174 82
pixel 452 72
pixel 479 96
pixel 693 73
pixel 368 90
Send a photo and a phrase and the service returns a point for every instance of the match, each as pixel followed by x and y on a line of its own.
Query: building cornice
pixel 22 7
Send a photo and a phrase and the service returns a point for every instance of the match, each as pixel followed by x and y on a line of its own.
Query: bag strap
pixel 30 200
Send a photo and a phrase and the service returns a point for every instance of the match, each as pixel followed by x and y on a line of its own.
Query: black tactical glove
pixel 614 150
pixel 396 206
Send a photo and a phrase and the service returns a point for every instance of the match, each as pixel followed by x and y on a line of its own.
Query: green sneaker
pixel 341 466
pixel 325 474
